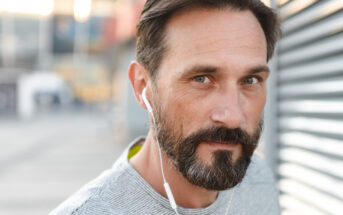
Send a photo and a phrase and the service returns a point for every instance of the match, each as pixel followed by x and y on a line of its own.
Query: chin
pixel 220 173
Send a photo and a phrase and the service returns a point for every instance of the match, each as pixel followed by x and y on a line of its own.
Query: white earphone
pixel 146 102
pixel 165 183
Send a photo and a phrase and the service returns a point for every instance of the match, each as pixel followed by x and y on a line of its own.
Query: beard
pixel 223 172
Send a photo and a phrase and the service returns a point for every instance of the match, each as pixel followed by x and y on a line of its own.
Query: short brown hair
pixel 156 13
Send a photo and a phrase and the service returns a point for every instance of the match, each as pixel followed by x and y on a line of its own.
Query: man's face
pixel 210 93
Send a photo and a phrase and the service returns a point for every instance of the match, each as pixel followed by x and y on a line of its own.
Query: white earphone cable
pixel 231 197
pixel 165 183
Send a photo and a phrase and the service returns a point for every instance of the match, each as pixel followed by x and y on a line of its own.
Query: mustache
pixel 224 135
pixel 219 134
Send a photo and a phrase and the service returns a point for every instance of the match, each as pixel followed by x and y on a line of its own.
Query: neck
pixel 147 163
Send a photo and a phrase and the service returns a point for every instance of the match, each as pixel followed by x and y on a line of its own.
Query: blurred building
pixel 85 45
pixel 80 41
pixel 304 117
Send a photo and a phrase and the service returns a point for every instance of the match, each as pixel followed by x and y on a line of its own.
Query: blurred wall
pixel 305 111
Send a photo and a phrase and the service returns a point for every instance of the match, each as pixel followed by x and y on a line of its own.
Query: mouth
pixel 221 145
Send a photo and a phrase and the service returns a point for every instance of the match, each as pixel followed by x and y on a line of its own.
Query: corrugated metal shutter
pixel 310 107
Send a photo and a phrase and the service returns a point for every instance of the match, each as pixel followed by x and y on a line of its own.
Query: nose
pixel 228 110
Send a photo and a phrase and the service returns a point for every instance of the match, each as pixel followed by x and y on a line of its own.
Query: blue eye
pixel 251 80
pixel 201 79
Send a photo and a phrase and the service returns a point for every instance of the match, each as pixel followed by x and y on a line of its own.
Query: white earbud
pixel 165 184
pixel 145 100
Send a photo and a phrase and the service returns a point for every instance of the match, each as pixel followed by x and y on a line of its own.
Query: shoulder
pixel 258 172
pixel 110 193
pixel 258 189
pixel 93 197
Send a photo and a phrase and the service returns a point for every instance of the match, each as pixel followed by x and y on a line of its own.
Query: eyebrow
pixel 258 69
pixel 208 69
pixel 200 69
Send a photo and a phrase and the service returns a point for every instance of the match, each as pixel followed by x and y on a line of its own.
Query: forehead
pixel 219 37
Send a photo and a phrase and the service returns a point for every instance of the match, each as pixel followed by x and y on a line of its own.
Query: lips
pixel 221 145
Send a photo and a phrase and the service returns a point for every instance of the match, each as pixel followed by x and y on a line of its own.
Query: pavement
pixel 46 159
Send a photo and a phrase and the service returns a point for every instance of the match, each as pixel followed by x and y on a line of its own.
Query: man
pixel 201 73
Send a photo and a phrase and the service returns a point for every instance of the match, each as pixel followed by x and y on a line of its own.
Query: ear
pixel 138 77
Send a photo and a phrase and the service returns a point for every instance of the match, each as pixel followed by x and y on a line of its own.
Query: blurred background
pixel 67 110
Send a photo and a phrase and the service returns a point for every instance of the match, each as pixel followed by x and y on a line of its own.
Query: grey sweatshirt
pixel 122 191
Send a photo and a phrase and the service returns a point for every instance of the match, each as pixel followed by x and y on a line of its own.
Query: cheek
pixel 253 108
pixel 175 111
pixel 186 113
